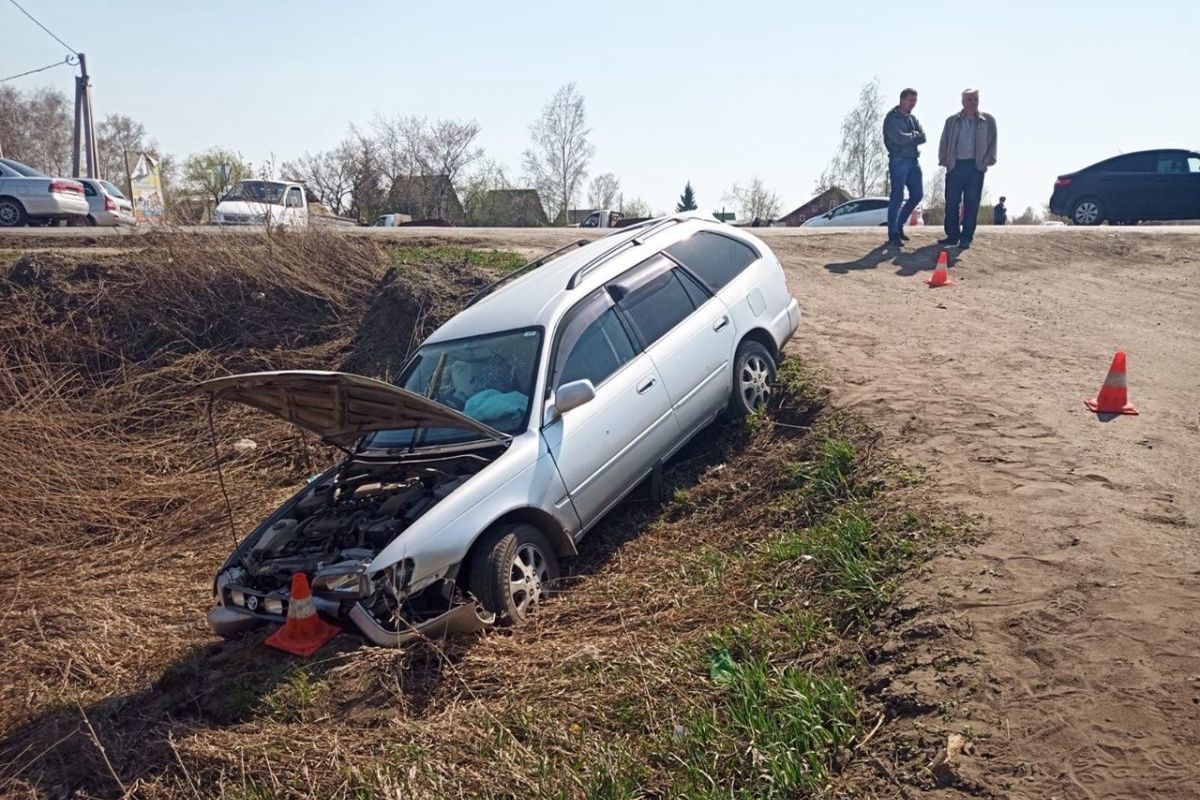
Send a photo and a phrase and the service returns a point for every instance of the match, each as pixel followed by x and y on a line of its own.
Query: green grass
pixel 497 260
pixel 770 734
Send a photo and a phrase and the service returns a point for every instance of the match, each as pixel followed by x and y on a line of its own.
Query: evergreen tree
pixel 687 200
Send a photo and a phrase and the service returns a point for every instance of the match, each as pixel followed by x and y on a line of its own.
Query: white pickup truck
pixel 274 204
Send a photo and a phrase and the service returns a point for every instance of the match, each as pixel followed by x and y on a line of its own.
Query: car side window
pixel 697 293
pixel 654 299
pixel 872 205
pixel 1172 164
pixel 1193 164
pixel 601 350
pixel 592 221
pixel 714 258
pixel 295 199
pixel 849 208
pixel 89 190
pixel 1131 163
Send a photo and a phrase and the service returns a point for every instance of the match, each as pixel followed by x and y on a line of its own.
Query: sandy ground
pixel 1069 636
pixel 1066 642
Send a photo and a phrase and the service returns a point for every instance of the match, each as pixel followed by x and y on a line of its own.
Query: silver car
pixel 107 207
pixel 27 196
pixel 515 427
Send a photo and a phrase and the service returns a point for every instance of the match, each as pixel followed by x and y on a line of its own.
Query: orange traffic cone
pixel 1114 395
pixel 304 632
pixel 940 276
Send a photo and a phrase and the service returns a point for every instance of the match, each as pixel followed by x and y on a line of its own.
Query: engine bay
pixel 347 517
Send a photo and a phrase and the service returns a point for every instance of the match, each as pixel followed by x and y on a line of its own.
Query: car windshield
pixel 257 192
pixel 112 190
pixel 488 378
pixel 21 169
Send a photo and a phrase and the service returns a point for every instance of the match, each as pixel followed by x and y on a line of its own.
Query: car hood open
pixel 340 407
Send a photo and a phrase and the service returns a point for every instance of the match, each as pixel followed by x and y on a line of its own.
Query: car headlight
pixel 346 580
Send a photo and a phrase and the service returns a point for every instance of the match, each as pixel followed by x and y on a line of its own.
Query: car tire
pixel 1087 211
pixel 753 380
pixel 514 569
pixel 12 213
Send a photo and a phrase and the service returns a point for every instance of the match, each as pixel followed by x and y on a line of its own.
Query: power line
pixel 69 61
pixel 43 27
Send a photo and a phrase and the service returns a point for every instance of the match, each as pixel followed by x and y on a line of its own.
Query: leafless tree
pixel 754 200
pixel 36 129
pixel 557 162
pixel 415 147
pixel 603 191
pixel 116 136
pixel 329 174
pixel 633 207
pixel 477 193
pixel 860 164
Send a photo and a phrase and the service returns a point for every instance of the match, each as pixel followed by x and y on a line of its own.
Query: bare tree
pixel 116 136
pixel 633 207
pixel 478 196
pixel 754 200
pixel 414 147
pixel 329 174
pixel 860 164
pixel 36 129
pixel 557 162
pixel 603 191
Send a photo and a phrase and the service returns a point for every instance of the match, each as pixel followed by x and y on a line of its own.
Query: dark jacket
pixel 1000 214
pixel 901 134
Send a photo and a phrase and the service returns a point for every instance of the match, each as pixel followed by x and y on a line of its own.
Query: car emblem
pixel 252 603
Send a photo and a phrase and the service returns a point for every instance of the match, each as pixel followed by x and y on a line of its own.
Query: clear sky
pixel 711 92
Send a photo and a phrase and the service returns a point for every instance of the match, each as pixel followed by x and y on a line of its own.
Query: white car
pixel 511 432
pixel 29 197
pixel 107 206
pixel 391 220
pixel 866 212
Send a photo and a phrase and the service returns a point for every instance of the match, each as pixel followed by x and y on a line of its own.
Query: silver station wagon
pixel 511 432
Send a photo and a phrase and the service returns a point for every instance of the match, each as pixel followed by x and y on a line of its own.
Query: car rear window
pixel 21 169
pixel 112 190
pixel 714 258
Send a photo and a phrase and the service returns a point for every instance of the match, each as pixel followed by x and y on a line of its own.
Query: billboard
pixel 145 184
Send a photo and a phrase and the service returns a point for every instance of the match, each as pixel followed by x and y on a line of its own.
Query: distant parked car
pixel 107 206
pixel 391 220
pixel 29 197
pixel 867 211
pixel 1150 185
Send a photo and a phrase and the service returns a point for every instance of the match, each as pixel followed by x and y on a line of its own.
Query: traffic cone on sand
pixel 1114 394
pixel 940 276
pixel 304 632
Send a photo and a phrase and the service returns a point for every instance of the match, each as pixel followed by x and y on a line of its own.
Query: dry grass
pixel 642 679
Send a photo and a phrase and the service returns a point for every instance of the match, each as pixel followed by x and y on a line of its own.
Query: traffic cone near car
pixel 304 632
pixel 1114 394
pixel 940 276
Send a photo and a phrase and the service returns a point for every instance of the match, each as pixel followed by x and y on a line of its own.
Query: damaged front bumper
pixel 462 618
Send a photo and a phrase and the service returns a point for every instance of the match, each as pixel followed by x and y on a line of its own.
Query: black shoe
pixel 949 241
pixel 903 237
pixel 894 242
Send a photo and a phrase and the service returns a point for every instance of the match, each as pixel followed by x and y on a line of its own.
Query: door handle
pixel 646 386
pixel 720 324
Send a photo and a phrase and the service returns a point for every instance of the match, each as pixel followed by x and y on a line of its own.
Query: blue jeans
pixel 903 172
pixel 964 186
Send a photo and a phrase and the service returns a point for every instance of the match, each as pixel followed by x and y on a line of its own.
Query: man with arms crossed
pixel 901 135
pixel 967 149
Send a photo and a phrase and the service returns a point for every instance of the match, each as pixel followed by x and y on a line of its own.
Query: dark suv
pixel 1150 185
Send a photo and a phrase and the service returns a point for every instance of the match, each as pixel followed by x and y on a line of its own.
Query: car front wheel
pixel 513 571
pixel 753 380
pixel 12 213
pixel 1087 211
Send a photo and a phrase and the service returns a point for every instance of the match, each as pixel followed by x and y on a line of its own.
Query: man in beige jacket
pixel 967 149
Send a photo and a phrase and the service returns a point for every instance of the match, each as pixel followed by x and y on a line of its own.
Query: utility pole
pixel 85 124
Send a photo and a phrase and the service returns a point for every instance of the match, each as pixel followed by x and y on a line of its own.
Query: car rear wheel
pixel 753 379
pixel 1087 211
pixel 513 571
pixel 12 213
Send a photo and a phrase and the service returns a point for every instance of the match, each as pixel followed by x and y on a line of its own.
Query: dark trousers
pixel 903 173
pixel 964 188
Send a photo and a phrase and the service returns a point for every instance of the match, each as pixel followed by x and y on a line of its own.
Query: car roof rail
pixel 651 227
pixel 532 265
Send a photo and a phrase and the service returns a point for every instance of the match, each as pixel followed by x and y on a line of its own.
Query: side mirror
pixel 573 395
